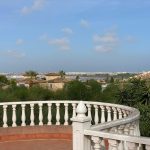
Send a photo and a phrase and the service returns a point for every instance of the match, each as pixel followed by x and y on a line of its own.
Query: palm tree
pixel 31 73
pixel 62 73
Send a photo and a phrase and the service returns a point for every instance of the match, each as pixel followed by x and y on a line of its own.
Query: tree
pixel 62 73
pixel 77 77
pixel 31 73
pixel 95 89
pixel 109 93
pixel 76 90
pixel 133 92
pixel 12 82
pixel 3 80
pixel 112 79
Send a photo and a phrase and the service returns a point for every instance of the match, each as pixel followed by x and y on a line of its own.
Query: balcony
pixel 53 125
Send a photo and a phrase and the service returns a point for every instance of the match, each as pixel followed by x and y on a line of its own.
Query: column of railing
pixel 105 113
pixel 118 141
pixel 100 112
pixel 109 119
pixel 31 105
pixel 120 132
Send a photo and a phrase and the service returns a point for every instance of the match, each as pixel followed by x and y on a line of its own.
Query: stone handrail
pixel 98 111
pixel 121 133
pixel 93 122
pixel 117 141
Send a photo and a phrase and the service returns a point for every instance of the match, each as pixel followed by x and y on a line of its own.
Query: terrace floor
pixel 36 138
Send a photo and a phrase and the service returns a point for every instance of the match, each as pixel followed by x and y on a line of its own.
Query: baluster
pixel 132 146
pixel 126 132
pixel 147 147
pixel 113 144
pixel 5 116
pixel 23 117
pixel 89 110
pixel 131 129
pixel 102 114
pixel 96 119
pixel 114 113
pixel 121 131
pixel 49 114
pixel 32 114
pixel 108 113
pixel 137 129
pixel 127 112
pixel 120 113
pixel 113 130
pixel 96 142
pixel 66 113
pixel 126 129
pixel 40 114
pixel 57 114
pixel 74 110
pixel 124 114
pixel 14 116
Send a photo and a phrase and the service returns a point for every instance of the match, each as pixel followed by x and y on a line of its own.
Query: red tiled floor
pixel 37 145
pixel 36 138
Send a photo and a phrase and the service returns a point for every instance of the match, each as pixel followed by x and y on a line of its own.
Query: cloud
pixel 19 41
pixel 106 38
pixel 61 43
pixel 44 36
pixel 131 39
pixel 103 48
pixel 13 53
pixel 106 42
pixel 67 30
pixel 37 5
pixel 84 23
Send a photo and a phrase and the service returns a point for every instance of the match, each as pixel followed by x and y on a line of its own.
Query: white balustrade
pixel 23 116
pixel 120 124
pixel 120 113
pixel 127 129
pixel 147 147
pixel 108 113
pixel 121 131
pixel 32 114
pixel 96 142
pixel 5 116
pixel 113 144
pixel 96 118
pixel 131 129
pixel 74 110
pixel 105 108
pixel 81 122
pixel 102 114
pixel 132 146
pixel 49 114
pixel 14 116
pixel 66 114
pixel 114 113
pixel 40 114
pixel 57 113
pixel 124 113
pixel 89 110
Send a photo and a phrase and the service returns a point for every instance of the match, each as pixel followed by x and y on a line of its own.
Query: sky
pixel 74 35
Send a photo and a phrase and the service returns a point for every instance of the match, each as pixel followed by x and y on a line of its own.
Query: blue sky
pixel 74 35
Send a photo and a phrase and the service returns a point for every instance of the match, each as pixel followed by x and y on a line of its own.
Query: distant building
pixel 52 76
pixel 54 84
pixel 144 75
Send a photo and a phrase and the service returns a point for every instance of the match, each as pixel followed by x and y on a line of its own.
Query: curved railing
pixel 60 112
pixel 117 123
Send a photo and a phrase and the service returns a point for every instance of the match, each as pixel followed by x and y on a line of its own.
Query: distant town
pixel 57 80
